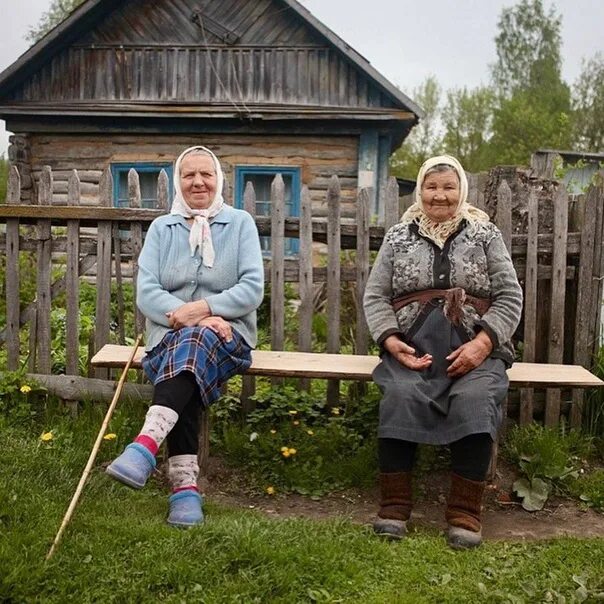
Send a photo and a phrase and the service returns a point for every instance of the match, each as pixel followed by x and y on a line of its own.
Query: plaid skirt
pixel 202 352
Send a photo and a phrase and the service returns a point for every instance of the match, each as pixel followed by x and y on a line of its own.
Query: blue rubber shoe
pixel 185 509
pixel 133 467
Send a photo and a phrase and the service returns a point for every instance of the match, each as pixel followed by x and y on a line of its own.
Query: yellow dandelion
pixel 46 436
pixel 335 411
pixel 284 449
pixel 309 432
pixel 293 412
pixel 273 431
pixel 25 389
pixel 296 423
pixel 110 436
pixel 270 490
pixel 292 451
pixel 285 453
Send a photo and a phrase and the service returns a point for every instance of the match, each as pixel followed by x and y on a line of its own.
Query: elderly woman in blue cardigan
pixel 200 282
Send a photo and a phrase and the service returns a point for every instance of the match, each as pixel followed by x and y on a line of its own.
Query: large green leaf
pixel 534 493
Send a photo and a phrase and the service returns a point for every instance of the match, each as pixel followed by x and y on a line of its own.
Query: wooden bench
pixel 274 363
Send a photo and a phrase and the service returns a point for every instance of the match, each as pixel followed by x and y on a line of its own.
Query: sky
pixel 406 40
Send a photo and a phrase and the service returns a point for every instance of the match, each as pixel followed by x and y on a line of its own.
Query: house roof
pixel 91 11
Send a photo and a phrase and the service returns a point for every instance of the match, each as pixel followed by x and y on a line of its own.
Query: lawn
pixel 118 548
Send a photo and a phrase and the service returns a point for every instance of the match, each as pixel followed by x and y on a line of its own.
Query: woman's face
pixel 198 181
pixel 440 195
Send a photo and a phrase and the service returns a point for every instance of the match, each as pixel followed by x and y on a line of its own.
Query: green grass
pixel 118 548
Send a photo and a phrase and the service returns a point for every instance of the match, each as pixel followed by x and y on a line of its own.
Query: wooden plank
pixel 12 274
pixel 333 280
pixel 557 299
pixel 277 263
pixel 582 348
pixel 103 270
pixel 119 282
pixel 44 264
pixel 527 396
pixel 89 216
pixel 392 212
pixel 504 222
pixel 136 241
pixel 503 218
pixel 72 283
pixel 360 367
pixel 362 260
pixel 163 201
pixel 598 267
pixel 305 277
pixel 248 385
pixel 305 263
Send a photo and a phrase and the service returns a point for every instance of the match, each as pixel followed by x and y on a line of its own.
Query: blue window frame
pixel 262 178
pixel 147 174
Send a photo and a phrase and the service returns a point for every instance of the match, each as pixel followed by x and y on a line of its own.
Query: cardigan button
pixel 441 276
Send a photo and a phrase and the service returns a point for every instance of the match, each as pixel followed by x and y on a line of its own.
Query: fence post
pixel 43 296
pixel 333 281
pixel 527 395
pixel 248 382
pixel 12 274
pixel 555 351
pixel 277 263
pixel 103 271
pixel 305 278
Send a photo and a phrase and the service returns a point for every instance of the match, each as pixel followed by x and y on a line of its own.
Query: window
pixel 147 175
pixel 262 178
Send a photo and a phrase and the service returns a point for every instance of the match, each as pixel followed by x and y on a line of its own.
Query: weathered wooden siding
pixel 318 158
pixel 196 75
pixel 153 52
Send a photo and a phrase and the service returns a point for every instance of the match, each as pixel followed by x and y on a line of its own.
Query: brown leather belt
pixel 454 299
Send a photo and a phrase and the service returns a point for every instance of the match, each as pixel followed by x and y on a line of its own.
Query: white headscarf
pixel 439 232
pixel 201 235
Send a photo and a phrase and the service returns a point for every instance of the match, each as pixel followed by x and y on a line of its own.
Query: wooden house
pixel 130 83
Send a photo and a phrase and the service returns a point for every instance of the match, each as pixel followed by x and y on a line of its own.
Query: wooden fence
pixel 561 270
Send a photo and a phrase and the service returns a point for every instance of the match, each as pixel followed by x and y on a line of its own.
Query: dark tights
pixel 470 456
pixel 181 393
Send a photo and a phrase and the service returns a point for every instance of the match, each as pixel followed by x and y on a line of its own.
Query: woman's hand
pixel 405 355
pixel 469 355
pixel 219 326
pixel 189 314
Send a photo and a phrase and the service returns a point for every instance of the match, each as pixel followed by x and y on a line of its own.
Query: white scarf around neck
pixel 201 234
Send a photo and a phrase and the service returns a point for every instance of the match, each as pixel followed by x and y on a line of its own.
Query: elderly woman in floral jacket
pixel 443 302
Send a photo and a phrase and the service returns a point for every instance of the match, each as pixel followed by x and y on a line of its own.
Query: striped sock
pixel 183 472
pixel 158 423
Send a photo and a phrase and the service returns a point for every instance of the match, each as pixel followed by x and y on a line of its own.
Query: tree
pixel 58 10
pixel 426 137
pixel 533 107
pixel 467 118
pixel 527 44
pixel 588 106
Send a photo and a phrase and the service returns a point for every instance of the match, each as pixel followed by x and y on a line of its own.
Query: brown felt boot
pixel 463 512
pixel 395 505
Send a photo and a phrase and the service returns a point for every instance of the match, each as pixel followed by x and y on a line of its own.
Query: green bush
pixel 547 459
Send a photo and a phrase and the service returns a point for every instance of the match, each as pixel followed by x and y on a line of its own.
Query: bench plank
pixel 276 363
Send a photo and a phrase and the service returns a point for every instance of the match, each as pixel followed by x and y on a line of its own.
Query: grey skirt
pixel 429 407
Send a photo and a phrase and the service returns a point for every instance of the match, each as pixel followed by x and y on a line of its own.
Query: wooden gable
pixel 205 55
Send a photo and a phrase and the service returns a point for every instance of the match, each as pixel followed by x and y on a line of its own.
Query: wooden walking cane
pixel 95 450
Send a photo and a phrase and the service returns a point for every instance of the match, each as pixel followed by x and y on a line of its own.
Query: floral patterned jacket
pixel 474 258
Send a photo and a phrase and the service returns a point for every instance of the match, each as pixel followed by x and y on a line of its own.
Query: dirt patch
pixel 503 518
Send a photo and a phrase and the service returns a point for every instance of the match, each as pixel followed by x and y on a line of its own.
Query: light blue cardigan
pixel 169 276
